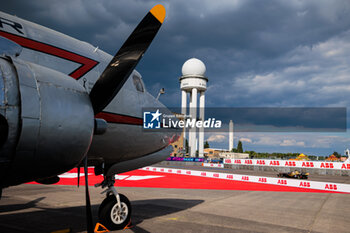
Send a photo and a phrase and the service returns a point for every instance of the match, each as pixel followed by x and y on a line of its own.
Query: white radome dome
pixel 193 66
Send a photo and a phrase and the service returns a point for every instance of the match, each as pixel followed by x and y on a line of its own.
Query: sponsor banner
pixel 326 186
pixel 182 159
pixel 290 163
pixel 213 165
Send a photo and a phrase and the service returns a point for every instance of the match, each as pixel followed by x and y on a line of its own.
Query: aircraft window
pixel 138 83
pixel 3 130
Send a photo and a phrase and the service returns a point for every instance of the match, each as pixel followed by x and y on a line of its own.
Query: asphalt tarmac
pixel 40 208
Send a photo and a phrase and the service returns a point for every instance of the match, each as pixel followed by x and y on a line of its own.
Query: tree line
pixel 274 155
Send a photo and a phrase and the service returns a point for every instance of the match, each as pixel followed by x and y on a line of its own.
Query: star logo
pixel 151 120
pixel 156 115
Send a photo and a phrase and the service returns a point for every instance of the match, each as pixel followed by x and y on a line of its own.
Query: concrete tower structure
pixel 230 147
pixel 193 81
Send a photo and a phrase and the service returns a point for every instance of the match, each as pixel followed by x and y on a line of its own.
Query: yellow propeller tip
pixel 158 12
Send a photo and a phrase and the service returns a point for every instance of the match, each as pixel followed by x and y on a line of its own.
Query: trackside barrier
pixel 327 186
pixel 213 165
pixel 184 159
pixel 289 163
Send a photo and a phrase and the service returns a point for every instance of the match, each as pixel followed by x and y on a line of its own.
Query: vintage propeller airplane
pixel 65 104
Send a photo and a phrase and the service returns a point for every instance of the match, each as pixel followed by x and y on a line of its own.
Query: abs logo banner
pixel 151 120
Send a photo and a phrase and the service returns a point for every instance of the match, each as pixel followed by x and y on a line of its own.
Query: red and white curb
pixel 326 186
pixel 127 177
pixel 219 165
pixel 289 163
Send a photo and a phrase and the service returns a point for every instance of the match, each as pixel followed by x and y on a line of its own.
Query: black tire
pixel 106 207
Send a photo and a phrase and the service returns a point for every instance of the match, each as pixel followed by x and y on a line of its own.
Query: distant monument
pixel 231 144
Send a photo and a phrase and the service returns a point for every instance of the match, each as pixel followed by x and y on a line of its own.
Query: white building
pixel 222 153
pixel 233 155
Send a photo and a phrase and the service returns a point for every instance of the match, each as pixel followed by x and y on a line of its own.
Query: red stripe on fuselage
pixel 86 63
pixel 120 119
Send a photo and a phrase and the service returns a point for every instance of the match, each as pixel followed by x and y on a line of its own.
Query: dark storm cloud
pixel 246 39
pixel 85 20
pixel 233 38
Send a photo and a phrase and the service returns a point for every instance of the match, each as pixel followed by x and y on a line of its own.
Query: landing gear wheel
pixel 113 217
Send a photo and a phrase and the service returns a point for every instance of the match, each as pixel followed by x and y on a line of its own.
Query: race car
pixel 294 174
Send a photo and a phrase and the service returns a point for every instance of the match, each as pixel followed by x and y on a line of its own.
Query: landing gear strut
pixel 115 210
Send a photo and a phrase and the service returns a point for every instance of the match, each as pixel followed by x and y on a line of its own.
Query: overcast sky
pixel 257 53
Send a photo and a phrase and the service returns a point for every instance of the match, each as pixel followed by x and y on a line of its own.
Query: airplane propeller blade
pixel 89 224
pixel 124 62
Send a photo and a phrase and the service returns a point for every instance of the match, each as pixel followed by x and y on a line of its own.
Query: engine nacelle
pixel 48 120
